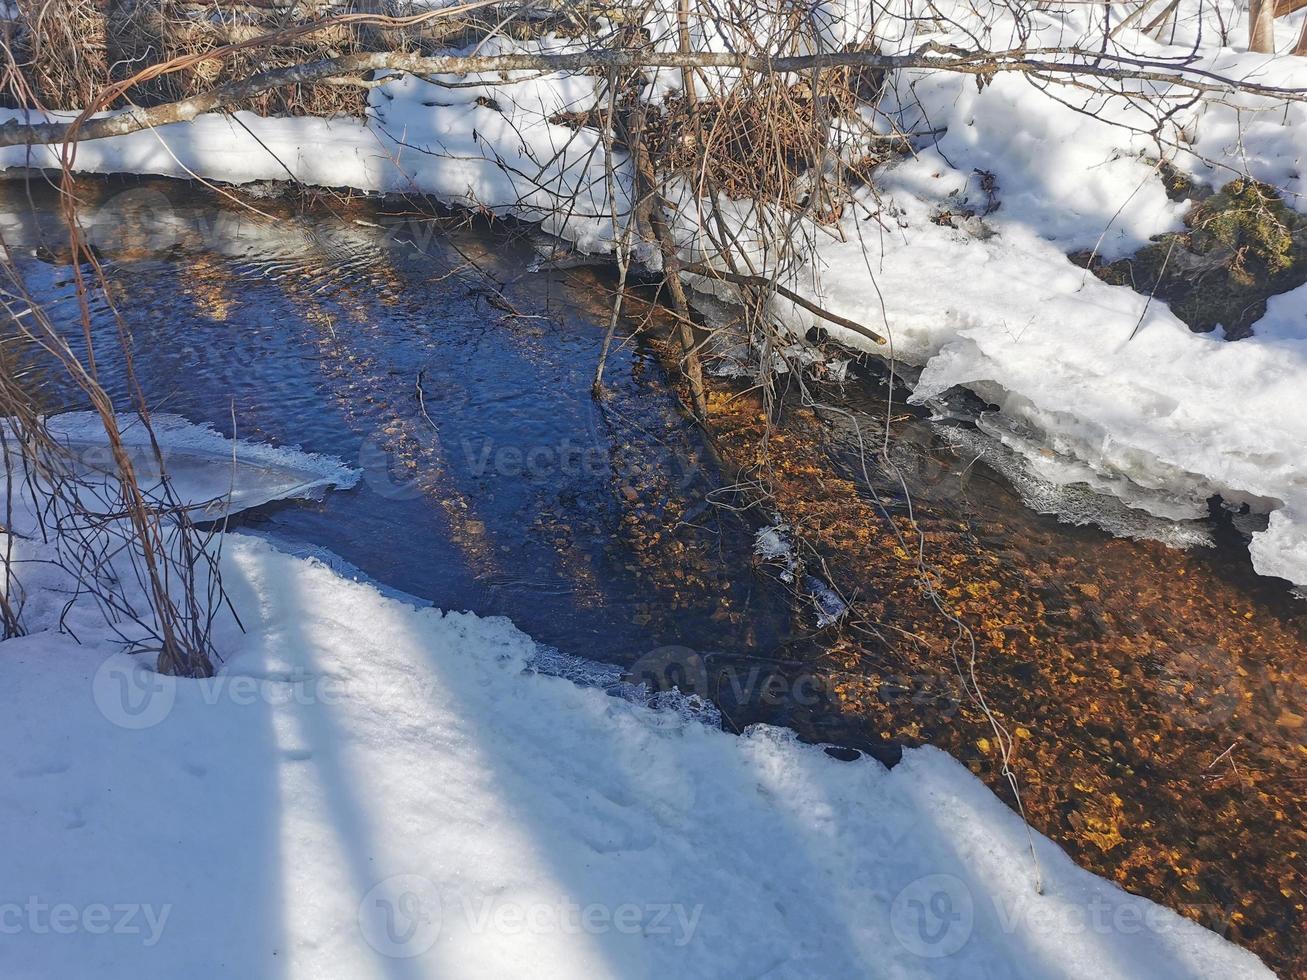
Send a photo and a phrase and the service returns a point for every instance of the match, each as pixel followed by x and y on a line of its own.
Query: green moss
pixel 1240 246
pixel 1249 220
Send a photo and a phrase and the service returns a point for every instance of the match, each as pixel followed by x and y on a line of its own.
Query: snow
pixel 1061 172
pixel 372 789
pixel 420 137
pixel 1094 384
pixel 375 787
pixel 1164 418
pixel 772 543
pixel 210 475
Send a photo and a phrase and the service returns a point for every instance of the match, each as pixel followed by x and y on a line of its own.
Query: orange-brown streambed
pixel 1157 698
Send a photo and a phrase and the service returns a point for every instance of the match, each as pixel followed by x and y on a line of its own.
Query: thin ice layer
pixel 207 471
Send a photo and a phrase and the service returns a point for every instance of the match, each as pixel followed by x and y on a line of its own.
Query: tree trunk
pixel 1157 27
pixel 1261 26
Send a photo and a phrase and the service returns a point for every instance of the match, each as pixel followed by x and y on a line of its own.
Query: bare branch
pixel 1070 62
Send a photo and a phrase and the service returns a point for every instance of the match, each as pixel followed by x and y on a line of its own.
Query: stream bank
pixel 1155 695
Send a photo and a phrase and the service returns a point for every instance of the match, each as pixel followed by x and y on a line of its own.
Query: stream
pixel 1156 696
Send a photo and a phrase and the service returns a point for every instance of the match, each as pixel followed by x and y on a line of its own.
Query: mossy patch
pixel 1240 246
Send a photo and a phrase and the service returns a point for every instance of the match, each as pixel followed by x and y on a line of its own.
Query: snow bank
pixel 370 789
pixel 1095 384
pixel 1078 165
pixel 1097 387
pixel 1164 420
pixel 489 147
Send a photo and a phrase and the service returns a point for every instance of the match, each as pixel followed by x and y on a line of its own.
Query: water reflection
pixel 424 353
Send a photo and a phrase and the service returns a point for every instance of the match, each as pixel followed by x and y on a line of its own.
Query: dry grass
pixel 761 141
pixel 154 31
pixel 68 50
pixel 61 48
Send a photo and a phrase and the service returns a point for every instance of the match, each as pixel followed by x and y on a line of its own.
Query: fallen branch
pixel 1096 64
pixel 762 282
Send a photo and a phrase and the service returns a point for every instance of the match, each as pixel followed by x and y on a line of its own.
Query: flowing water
pixel 1156 695
pixel 491 480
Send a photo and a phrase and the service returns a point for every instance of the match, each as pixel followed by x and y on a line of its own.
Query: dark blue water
pixel 428 355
